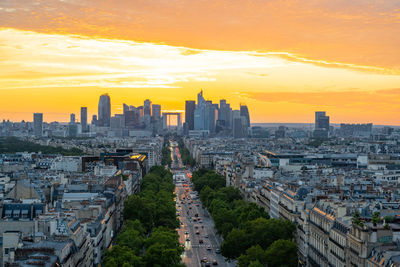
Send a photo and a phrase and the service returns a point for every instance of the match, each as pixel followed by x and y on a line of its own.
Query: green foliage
pixel 247 230
pixel 388 218
pixel 209 178
pixel 376 218
pixel 282 253
pixel 149 237
pixel 14 144
pixel 185 154
pixel 166 155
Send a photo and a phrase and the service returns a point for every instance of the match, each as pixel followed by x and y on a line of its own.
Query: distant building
pixel 281 132
pixel 190 107
pixel 84 119
pixel 224 113
pixel 38 124
pixel 321 120
pixel 104 111
pixel 94 120
pixel 321 130
pixel 355 130
pixel 72 118
pixel 156 112
pixel 244 112
pixel 147 107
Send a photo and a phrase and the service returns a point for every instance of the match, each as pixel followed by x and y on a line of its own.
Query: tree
pixel 235 244
pixel 282 253
pixel 254 254
pixel 376 218
pixel 120 255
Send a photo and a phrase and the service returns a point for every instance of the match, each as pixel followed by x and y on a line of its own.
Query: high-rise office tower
pixel 224 113
pixel 72 118
pixel 147 107
pixel 38 124
pixel 190 106
pixel 237 124
pixel 104 111
pixel 94 120
pixel 84 119
pixel 321 130
pixel 321 120
pixel 244 111
pixel 156 112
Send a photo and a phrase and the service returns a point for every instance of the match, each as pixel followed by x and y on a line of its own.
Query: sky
pixel 283 59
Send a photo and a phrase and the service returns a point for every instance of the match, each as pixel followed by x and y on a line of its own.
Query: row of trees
pixel 249 234
pixel 166 155
pixel 149 237
pixel 14 144
pixel 187 159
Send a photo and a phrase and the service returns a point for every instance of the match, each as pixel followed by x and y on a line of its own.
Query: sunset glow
pixel 55 67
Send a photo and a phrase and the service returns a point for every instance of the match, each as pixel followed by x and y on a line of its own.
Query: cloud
pixel 354 33
pixel 354 99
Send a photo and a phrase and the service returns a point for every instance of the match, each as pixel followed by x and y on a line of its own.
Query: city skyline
pixel 344 62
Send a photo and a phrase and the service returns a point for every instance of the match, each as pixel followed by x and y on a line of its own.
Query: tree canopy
pixel 149 237
pixel 249 234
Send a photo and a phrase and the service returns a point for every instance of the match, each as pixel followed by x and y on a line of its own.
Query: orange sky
pixel 284 59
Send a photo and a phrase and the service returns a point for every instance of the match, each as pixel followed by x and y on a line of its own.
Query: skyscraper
pixel 321 120
pixel 190 106
pixel 321 130
pixel 224 113
pixel 84 119
pixel 244 111
pixel 104 111
pixel 147 107
pixel 156 112
pixel 72 118
pixel 38 124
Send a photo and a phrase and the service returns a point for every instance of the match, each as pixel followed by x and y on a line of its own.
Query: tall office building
pixel 224 114
pixel 237 129
pixel 104 111
pixel 94 120
pixel 190 106
pixel 38 124
pixel 72 118
pixel 84 119
pixel 147 107
pixel 156 112
pixel 244 111
pixel 321 130
pixel 200 113
pixel 321 120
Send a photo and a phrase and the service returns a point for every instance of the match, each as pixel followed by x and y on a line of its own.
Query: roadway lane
pixel 194 251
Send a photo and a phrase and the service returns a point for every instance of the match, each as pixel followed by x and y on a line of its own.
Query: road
pixel 188 205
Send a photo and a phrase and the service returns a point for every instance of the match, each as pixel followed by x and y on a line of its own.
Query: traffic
pixel 196 231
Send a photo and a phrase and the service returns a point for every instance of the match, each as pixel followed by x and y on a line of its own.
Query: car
pixel 201 241
pixel 196 227
pixel 195 220
pixel 197 232
pixel 188 239
pixel 197 205
pixel 190 208
pixel 215 262
pixel 186 233
pixel 204 259
pixel 208 247
pixel 207 264
pixel 218 251
pixel 206 236
pixel 199 221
